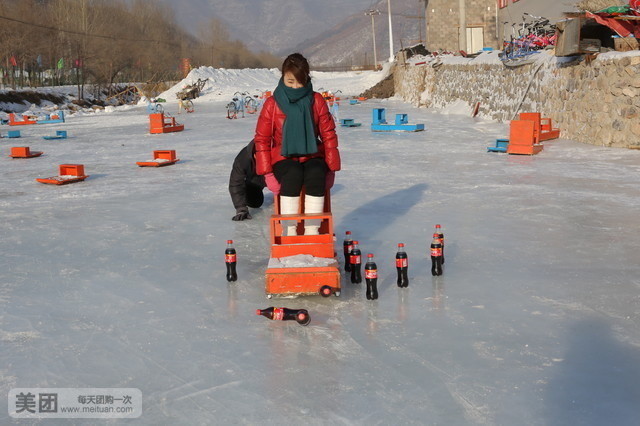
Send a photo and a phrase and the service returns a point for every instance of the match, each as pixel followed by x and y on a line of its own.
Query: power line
pixel 87 34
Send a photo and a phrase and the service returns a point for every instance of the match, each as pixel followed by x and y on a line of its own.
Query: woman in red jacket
pixel 296 143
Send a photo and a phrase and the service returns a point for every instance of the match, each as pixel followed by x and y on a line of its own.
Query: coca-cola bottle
pixel 402 266
pixel 356 264
pixel 436 256
pixel 441 235
pixel 230 261
pixel 371 277
pixel 285 314
pixel 347 245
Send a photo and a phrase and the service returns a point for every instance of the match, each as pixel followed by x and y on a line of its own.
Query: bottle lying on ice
pixel 355 259
pixel 230 260
pixel 285 314
pixel 438 230
pixel 347 245
pixel 436 256
pixel 371 277
pixel 402 266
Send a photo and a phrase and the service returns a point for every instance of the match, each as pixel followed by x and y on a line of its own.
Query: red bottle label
pixel 402 263
pixel 436 252
pixel 355 260
pixel 230 258
pixel 278 314
pixel 371 273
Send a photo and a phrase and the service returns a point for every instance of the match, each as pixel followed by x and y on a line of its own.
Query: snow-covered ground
pixel 119 281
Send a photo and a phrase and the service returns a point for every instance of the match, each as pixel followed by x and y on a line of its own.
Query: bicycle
pixel 531 38
pixel 235 106
pixel 187 104
pixel 251 104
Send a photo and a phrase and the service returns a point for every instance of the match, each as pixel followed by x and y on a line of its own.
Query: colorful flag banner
pixel 13 61
pixel 61 63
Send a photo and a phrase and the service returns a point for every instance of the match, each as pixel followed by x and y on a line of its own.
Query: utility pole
pixel 372 13
pixel 462 33
pixel 391 55
pixel 426 23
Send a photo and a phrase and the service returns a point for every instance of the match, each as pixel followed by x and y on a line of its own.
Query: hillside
pixel 350 41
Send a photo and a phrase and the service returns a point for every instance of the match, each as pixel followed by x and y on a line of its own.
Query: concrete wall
pixel 596 102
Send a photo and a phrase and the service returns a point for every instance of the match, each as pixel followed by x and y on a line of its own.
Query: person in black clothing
pixel 245 186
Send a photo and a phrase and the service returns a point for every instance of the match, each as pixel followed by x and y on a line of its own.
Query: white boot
pixel 289 205
pixel 312 205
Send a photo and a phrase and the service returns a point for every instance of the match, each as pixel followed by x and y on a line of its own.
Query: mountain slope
pixel 276 26
pixel 350 42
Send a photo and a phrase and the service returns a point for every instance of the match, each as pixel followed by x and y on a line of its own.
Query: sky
pixel 119 281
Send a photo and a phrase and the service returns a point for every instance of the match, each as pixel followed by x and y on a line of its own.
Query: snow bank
pixel 223 83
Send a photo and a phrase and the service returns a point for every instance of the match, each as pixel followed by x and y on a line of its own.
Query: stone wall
pixel 595 102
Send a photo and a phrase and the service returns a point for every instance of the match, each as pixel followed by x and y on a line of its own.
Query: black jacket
pixel 243 173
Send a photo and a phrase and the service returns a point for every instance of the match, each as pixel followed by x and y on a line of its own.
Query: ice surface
pixel 119 281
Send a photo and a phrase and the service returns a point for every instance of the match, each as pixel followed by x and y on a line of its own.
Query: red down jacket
pixel 268 137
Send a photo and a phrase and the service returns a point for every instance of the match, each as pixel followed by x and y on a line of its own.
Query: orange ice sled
pixel 322 275
pixel 23 152
pixel 69 173
pixel 161 158
pixel 14 120
pixel 524 137
pixel 158 123
pixel 547 131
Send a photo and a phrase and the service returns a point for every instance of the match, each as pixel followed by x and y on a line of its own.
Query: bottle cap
pixel 400 244
pixel 348 232
pixel 356 242
pixel 437 226
pixel 229 241
pixel 257 311
pixel 370 255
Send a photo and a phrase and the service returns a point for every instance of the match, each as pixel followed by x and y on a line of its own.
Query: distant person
pixel 296 143
pixel 245 186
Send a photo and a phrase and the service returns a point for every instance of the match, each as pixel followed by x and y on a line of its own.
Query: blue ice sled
pixel 60 134
pixel 49 120
pixel 501 146
pixel 379 122
pixel 13 134
pixel 349 122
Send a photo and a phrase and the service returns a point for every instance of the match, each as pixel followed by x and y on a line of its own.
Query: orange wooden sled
pixel 23 152
pixel 308 280
pixel 161 158
pixel 69 173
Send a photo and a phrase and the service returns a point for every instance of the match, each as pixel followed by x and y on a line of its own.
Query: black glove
pixel 241 214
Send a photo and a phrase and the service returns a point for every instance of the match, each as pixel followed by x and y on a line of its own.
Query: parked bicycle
pixel 529 38
pixel 236 105
pixel 251 104
pixel 187 104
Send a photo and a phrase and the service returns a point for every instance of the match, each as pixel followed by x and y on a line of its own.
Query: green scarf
pixel 298 134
